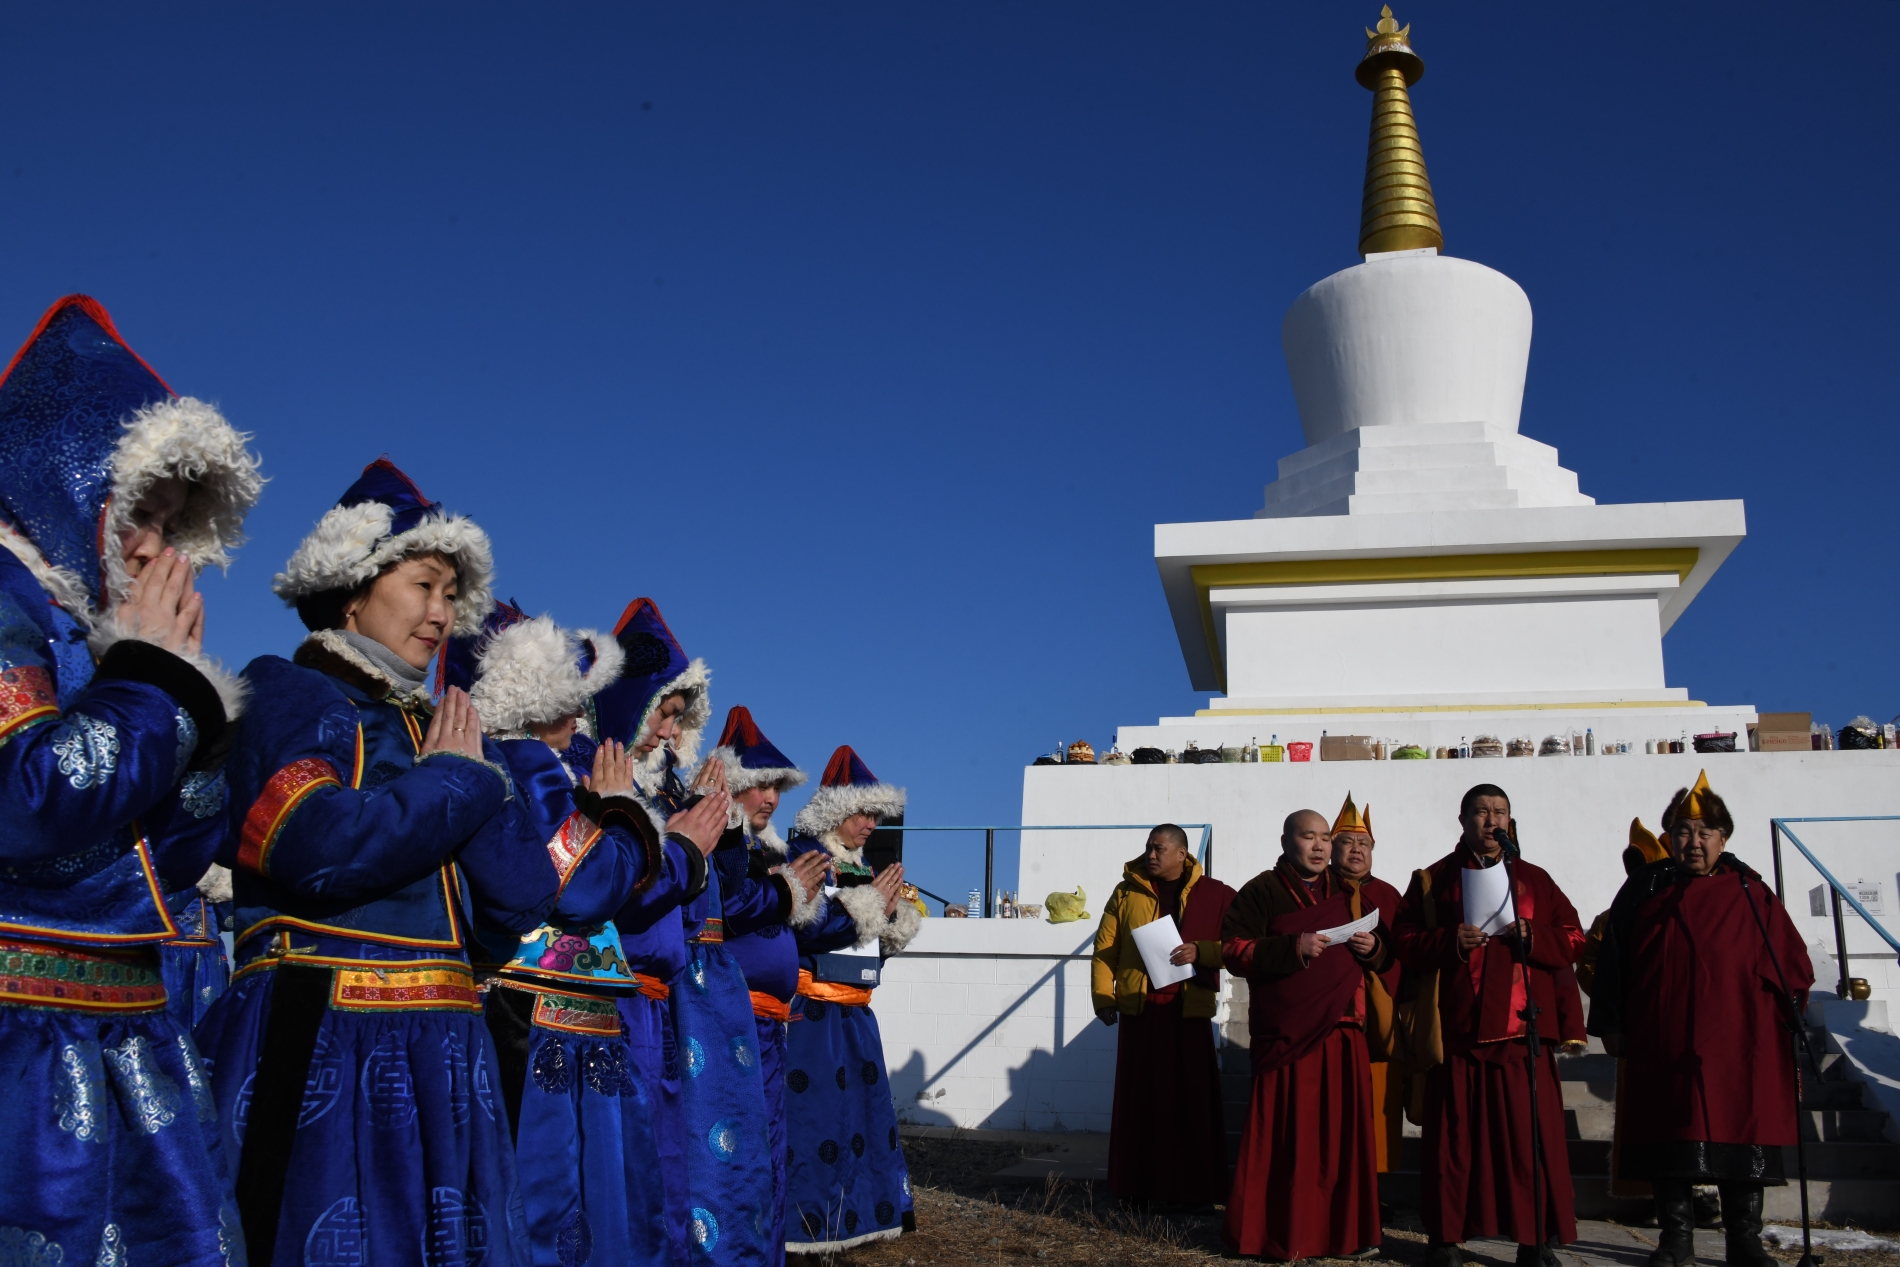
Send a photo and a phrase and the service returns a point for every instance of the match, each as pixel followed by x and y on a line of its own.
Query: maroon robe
pixel 1687 979
pixel 1475 1179
pixel 1167 1137
pixel 1306 1184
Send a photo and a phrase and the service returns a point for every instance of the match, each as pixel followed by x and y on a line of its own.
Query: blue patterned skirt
pixel 400 1149
pixel 584 1135
pixel 846 1182
pixel 195 967
pixel 111 1131
pixel 728 1147
pixel 771 1034
pixel 649 1024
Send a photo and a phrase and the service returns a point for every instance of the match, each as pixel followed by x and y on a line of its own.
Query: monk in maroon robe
pixel 1167 1138
pixel 1352 863
pixel 1693 990
pixel 1475 1179
pixel 1307 1181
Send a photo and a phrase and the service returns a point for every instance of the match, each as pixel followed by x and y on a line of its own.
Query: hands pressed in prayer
pixel 1186 952
pixel 888 882
pixel 705 822
pixel 711 777
pixel 456 727
pixel 163 607
pixel 807 873
pixel 613 770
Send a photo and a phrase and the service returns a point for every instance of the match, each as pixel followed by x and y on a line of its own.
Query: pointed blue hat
pixel 523 670
pixel 751 759
pixel 655 667
pixel 848 787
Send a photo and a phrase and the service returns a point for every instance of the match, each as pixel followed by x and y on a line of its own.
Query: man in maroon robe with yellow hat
pixel 1307 1182
pixel 1476 1176
pixel 1693 990
pixel 1352 862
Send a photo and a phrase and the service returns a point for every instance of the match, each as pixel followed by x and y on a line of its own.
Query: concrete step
pixel 1847 1126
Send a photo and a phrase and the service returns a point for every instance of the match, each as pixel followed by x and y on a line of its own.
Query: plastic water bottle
pixel 1589 742
pixel 974 907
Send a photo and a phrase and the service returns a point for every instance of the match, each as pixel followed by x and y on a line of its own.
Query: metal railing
pixel 989 846
pixel 1836 890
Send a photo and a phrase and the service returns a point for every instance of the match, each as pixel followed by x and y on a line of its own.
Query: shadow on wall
pixel 1041 1063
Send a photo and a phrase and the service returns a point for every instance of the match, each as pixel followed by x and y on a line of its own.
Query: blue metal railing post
pixel 989 831
pixel 989 870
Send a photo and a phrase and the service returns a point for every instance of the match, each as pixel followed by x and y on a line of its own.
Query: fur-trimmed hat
pixel 523 671
pixel 382 519
pixel 848 787
pixel 656 667
pixel 751 759
pixel 86 429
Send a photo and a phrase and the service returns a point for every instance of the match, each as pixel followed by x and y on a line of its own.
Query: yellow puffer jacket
pixel 1116 976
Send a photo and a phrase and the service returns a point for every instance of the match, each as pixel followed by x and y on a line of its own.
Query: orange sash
pixel 831 991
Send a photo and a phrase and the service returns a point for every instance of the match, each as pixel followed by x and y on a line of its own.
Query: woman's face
pixel 556 734
pixel 857 829
pixel 662 727
pixel 152 517
pixel 1696 845
pixel 409 609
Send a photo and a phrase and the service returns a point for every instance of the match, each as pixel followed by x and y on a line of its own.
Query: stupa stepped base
pixel 1421 467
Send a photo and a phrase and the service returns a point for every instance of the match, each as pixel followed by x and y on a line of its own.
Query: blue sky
pixel 872 340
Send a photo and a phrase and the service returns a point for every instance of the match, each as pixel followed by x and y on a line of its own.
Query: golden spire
pixel 1398 213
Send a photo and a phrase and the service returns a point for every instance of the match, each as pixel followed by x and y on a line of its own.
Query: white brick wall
pixel 987 1023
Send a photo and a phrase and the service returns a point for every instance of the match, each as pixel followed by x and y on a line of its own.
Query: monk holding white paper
pixel 1307 1182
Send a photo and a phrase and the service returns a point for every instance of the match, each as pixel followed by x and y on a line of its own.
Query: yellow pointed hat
pixel 1351 819
pixel 1640 840
pixel 1692 805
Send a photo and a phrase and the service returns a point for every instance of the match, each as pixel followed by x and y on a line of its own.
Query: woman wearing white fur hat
pixel 846 1179
pixel 374 832
pixel 584 1123
pixel 113 494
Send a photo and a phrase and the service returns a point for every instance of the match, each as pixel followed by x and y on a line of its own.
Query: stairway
pixel 1853 1145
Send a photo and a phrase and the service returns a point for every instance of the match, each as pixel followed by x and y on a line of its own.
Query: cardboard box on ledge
pixel 1345 748
pixel 1782 732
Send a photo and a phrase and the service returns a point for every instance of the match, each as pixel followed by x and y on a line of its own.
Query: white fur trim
pixel 400 692
pixel 740 779
pixel 830 806
pixel 802 1248
pixel 231 689
pixel 182 438
pixel 60 583
pixel 904 925
pixel 804 912
pixel 865 906
pixel 215 885
pixel 352 545
pixel 692 683
pixel 528 675
pixel 770 838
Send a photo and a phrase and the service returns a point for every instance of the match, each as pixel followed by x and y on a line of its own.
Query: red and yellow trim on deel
pixel 168 927
pixel 26 696
pixel 570 844
pixel 285 791
pixel 443 989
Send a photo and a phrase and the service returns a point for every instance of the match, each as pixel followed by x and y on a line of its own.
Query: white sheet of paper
pixel 1339 936
pixel 1488 898
pixel 1156 940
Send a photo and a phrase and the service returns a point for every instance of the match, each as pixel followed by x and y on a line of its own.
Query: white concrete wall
pixel 1455 646
pixel 987 1023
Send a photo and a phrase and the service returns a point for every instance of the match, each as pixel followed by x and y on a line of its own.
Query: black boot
pixel 1531 1256
pixel 1675 1216
pixel 1741 1223
pixel 1444 1254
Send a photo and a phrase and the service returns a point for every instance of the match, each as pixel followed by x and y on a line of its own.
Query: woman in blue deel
pixel 113 494
pixel 846 1180
pixel 372 832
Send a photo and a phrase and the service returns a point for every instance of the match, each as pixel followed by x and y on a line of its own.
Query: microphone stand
pixel 1507 847
pixel 1801 1043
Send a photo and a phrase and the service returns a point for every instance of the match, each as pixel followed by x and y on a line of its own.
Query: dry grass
pixel 967 1217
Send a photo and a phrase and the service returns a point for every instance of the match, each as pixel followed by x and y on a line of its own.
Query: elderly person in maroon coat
pixel 1692 991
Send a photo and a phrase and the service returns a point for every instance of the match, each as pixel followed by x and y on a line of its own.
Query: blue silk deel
pixel 846 1181
pixel 195 968
pixel 728 1143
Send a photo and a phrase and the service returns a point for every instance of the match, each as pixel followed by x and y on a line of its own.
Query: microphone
pixel 1505 842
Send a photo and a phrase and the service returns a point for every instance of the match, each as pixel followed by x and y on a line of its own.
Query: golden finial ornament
pixel 1398 213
